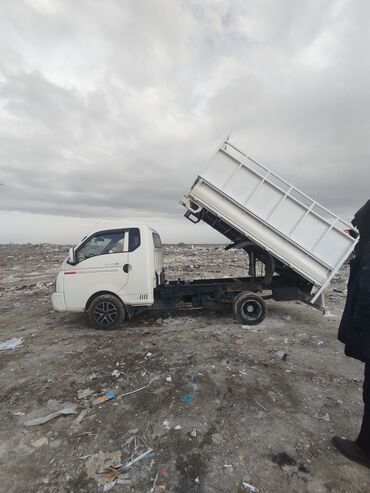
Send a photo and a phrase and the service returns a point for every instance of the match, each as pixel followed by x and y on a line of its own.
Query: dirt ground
pixel 225 410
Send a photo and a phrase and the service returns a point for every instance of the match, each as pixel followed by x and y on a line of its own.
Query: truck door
pixel 102 264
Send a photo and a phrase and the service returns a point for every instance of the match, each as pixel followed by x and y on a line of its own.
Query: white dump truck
pixel 295 247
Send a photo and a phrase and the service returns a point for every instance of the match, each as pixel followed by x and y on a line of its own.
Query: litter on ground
pixel 108 396
pixel 85 393
pixel 240 389
pixel 67 408
pixel 249 487
pixel 11 343
pixel 105 468
pixel 186 398
pixel 135 391
pixel 145 455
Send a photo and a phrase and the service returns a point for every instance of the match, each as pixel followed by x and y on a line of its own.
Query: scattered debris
pixel 196 480
pixel 55 443
pixel 67 409
pixel 133 431
pixel 40 442
pixel 178 427
pixel 326 417
pixel 261 406
pixel 251 328
pixel 86 434
pixel 217 438
pixel 249 487
pixel 225 360
pixel 108 396
pixel 128 442
pixel 131 438
pixel 116 373
pixel 283 459
pixel 193 377
pixel 22 449
pixel 281 354
pixel 148 355
pixel 11 343
pixel 145 455
pixel 105 468
pixel 84 393
pixel 186 398
pixel 134 391
pixel 123 481
pixel 109 486
pixel 152 490
pixel 81 416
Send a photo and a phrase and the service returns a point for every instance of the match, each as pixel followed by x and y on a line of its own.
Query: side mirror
pixel 71 256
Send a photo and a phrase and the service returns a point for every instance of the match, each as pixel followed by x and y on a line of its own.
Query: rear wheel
pixel 106 312
pixel 249 308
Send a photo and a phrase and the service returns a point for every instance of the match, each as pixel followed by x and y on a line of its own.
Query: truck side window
pixel 134 239
pixel 101 244
pixel 157 240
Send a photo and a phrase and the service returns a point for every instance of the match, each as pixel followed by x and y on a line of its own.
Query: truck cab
pixel 111 273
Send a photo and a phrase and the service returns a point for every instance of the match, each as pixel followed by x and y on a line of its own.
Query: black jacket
pixel 354 330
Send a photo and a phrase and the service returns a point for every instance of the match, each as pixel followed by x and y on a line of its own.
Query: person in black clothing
pixel 354 332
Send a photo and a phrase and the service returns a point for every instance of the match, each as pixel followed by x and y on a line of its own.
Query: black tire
pixel 249 308
pixel 106 312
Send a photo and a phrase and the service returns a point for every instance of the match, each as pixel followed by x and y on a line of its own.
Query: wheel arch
pixel 99 293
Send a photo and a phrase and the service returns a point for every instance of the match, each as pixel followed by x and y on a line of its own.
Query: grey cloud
pixel 109 109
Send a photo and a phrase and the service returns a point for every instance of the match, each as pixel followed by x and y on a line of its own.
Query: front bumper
pixel 57 300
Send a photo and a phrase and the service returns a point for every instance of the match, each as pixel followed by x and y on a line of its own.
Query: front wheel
pixel 106 312
pixel 249 308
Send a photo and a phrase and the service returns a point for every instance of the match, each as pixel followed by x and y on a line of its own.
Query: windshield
pixel 101 244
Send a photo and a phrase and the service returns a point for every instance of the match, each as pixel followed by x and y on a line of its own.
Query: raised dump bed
pixel 245 200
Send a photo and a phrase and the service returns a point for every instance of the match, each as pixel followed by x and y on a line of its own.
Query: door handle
pixel 126 268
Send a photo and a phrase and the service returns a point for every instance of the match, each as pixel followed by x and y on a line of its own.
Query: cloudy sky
pixel 108 109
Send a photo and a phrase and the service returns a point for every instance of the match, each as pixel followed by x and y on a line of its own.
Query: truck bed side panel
pixel 267 209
